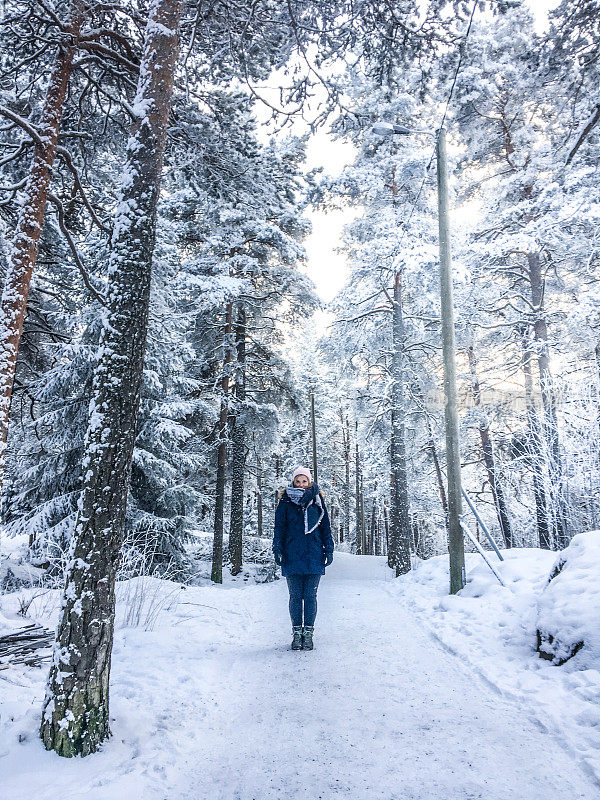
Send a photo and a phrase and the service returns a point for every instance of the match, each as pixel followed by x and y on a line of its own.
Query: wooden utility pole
pixel 456 546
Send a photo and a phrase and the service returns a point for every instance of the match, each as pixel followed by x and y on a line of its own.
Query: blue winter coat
pixel 302 553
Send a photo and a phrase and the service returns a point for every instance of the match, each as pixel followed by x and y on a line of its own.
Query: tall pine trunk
pixel 217 556
pixel 259 497
pixel 488 455
pixel 400 529
pixel 76 709
pixel 386 527
pixel 373 543
pixel 238 449
pixel 24 247
pixel 358 531
pixel 345 523
pixel 363 525
pixel 554 458
pixel 534 447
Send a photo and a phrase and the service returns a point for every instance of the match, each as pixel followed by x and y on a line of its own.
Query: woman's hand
pixel 327 558
pixel 278 559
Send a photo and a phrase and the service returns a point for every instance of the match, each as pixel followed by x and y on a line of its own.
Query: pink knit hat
pixel 302 471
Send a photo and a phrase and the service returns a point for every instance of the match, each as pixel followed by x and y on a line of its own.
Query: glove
pixel 278 559
pixel 328 558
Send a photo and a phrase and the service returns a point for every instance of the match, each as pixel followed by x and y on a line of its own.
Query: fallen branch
pixel 23 646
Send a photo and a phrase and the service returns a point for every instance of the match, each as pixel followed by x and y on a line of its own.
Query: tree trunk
pixel 277 476
pixel 358 531
pixel 488 455
pixel 535 447
pixel 313 429
pixel 345 523
pixel 373 542
pixel 400 530
pixel 217 557
pixel 333 521
pixel 76 708
pixel 363 528
pixel 555 468
pixel 238 450
pixel 386 526
pixel 24 249
pixel 259 498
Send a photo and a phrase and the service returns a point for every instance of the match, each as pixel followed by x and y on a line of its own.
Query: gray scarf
pixel 296 494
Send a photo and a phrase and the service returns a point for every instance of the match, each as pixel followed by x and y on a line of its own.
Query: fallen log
pixel 24 645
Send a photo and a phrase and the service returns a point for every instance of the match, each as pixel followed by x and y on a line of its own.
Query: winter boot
pixel 297 640
pixel 307 639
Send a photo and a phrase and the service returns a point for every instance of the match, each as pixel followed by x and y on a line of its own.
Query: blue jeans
pixel 303 590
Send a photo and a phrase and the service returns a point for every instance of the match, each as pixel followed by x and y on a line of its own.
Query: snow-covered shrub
pixel 15 573
pixel 568 622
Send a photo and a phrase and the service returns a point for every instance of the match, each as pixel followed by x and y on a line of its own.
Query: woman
pixel 303 547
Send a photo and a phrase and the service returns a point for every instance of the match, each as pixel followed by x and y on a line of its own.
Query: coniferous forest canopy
pixel 161 339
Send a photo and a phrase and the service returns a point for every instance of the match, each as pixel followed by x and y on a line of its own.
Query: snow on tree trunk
pixel 76 709
pixel 400 528
pixel 259 497
pixel 535 450
pixel 345 524
pixel 554 459
pixel 24 247
pixel 238 450
pixel 217 557
pixel 488 455
pixel 358 529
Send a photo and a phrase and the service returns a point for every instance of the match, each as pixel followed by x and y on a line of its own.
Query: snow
pixel 569 606
pixel 408 694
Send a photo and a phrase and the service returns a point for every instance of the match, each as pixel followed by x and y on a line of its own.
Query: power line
pixel 463 45
pixel 448 100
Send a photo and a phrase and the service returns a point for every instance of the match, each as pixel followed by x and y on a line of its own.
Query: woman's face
pixel 301 482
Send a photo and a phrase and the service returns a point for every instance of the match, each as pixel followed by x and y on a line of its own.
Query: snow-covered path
pixel 215 705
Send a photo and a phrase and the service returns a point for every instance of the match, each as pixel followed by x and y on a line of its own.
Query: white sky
pixel 327 268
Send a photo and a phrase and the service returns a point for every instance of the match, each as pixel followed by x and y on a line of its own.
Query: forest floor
pixel 408 694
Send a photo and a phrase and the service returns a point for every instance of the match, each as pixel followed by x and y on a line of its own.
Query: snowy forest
pixel 167 360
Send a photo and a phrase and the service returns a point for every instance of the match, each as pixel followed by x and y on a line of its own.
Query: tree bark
pixel 345 524
pixel 488 455
pixel 76 708
pixel 535 447
pixel 313 430
pixel 358 531
pixel 386 526
pixel 555 468
pixel 24 248
pixel 217 556
pixel 373 542
pixel 238 450
pixel 259 498
pixel 363 528
pixel 400 530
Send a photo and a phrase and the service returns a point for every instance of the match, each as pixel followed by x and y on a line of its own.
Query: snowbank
pixel 568 624
pixel 494 629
